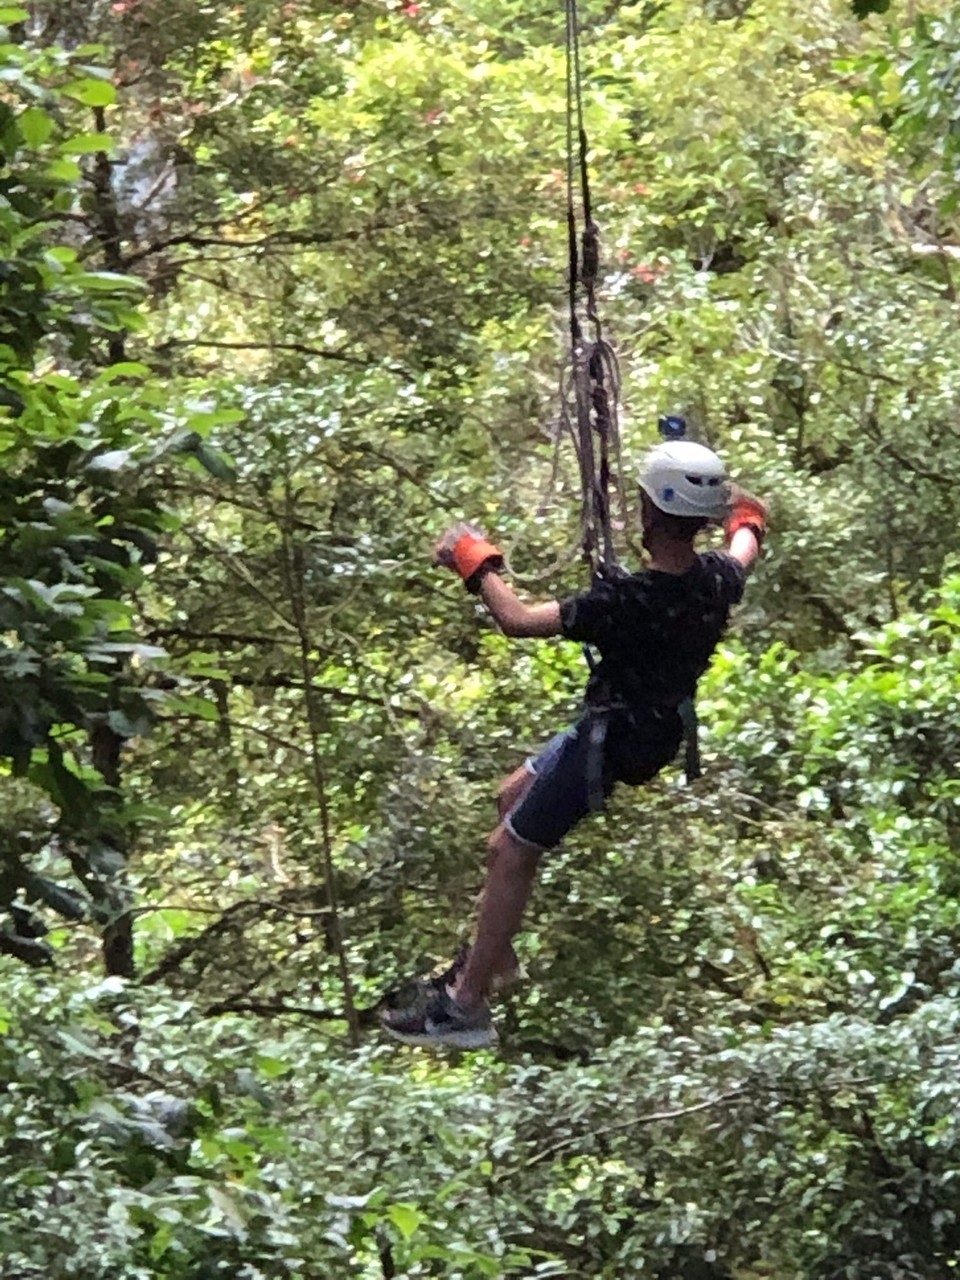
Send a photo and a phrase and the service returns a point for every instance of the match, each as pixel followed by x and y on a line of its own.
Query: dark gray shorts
pixel 560 794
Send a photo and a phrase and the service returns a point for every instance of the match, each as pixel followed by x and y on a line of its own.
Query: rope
pixel 589 389
pixel 596 388
pixel 596 374
pixel 572 249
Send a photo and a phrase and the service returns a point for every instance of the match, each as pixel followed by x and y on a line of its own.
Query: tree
pixel 83 439
pixel 737 1055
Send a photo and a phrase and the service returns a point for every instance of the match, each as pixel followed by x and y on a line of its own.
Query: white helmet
pixel 685 479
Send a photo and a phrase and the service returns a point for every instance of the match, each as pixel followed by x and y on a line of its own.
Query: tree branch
pixel 300 348
pixel 654 1117
pixel 366 1017
pixel 215 637
pixel 278 239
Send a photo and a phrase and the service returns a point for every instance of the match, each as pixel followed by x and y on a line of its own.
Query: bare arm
pixel 513 615
pixel 745 526
pixel 743 546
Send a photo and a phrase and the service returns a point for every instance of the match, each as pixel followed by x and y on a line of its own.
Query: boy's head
pixel 684 487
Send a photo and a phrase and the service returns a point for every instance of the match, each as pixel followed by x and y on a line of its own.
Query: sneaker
pixel 413 996
pixel 501 981
pixel 441 1021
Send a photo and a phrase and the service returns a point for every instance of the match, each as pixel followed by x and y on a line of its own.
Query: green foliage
pixel 912 84
pixel 282 296
pixel 81 510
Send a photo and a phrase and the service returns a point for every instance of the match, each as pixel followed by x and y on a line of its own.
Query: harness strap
pixel 599 722
pixel 686 710
pixel 691 737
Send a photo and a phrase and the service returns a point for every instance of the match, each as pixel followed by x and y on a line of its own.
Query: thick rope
pixel 573 270
pixel 595 370
pixel 590 387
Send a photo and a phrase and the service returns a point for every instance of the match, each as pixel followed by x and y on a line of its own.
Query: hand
pixel 465 550
pixel 744 511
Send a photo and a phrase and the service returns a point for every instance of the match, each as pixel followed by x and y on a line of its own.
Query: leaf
pixel 192 705
pixel 35 126
pixel 124 369
pixel 63 170
pixel 62 253
pixel 112 460
pixel 349 1202
pixel 170 922
pixel 215 463
pixel 11 14
pixel 77 1042
pixel 104 859
pixel 91 92
pixel 134 649
pixel 125 727
pixel 205 420
pixel 69 792
pixel 66 902
pixel 228 1209
pixel 272 1067
pixel 31 951
pixel 108 281
pixel 405 1217
pixel 83 144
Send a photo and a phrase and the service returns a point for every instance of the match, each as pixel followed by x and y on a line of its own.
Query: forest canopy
pixel 283 295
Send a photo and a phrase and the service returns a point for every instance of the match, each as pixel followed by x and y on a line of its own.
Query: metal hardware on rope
pixel 596 374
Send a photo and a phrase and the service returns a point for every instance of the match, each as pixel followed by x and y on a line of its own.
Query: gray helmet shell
pixel 683 478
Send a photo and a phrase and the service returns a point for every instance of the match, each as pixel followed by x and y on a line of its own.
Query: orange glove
pixel 466 551
pixel 745 512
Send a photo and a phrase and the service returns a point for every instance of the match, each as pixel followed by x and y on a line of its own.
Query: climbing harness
pixel 595 378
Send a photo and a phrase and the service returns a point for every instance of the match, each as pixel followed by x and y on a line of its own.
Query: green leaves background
pixel 281 296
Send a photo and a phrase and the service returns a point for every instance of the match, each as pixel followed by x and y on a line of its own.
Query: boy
pixel 655 632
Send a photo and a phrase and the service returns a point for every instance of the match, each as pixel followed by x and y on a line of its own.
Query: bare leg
pixel 510 878
pixel 509 794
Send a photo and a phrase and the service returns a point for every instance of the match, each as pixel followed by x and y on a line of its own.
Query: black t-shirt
pixel 655 631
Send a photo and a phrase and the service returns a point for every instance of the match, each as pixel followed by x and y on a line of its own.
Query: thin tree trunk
pixel 293 572
pixel 117 941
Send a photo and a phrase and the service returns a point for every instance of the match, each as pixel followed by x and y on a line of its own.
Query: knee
pixel 511 855
pixel 512 789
